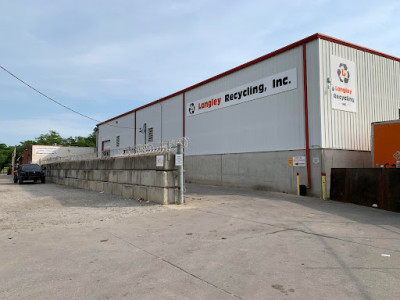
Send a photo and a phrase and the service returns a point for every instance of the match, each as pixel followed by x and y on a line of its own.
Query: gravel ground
pixel 36 205
pixel 58 242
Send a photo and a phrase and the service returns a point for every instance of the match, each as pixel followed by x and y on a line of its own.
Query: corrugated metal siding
pixel 123 127
pixel 172 120
pixel 378 97
pixel 164 117
pixel 313 91
pixel 150 115
pixel 267 124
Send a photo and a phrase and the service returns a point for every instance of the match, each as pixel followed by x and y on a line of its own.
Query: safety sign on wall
pixel 160 161
pixel 179 160
pixel 343 84
pixel 299 161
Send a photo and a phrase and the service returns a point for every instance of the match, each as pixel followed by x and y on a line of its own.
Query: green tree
pixel 5 155
pixel 51 138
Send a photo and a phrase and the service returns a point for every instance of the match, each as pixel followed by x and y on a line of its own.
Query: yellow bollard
pixel 298 184
pixel 323 186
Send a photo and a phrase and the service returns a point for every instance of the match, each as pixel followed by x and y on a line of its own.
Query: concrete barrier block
pixel 86 184
pixel 92 185
pixel 109 163
pixel 124 177
pixel 81 165
pixel 67 181
pixel 112 176
pixel 169 162
pixel 88 164
pixel 140 192
pixel 89 174
pixel 79 183
pixel 72 182
pixel 99 186
pixel 104 175
pixel 97 175
pixel 101 164
pixel 135 177
pixel 151 162
pixel 72 174
pixel 94 164
pixel 148 177
pixel 140 162
pixel 80 174
pixel 117 189
pixel 129 163
pixel 72 165
pixel 128 191
pixel 107 187
pixel 165 179
pixel 172 196
pixel 158 195
pixel 119 163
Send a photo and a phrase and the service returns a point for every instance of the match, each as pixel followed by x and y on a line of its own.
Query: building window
pixel 151 134
pixel 117 141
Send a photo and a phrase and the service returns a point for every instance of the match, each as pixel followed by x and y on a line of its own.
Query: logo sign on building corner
pixel 343 84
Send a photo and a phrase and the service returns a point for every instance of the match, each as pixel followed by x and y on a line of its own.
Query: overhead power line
pixel 58 103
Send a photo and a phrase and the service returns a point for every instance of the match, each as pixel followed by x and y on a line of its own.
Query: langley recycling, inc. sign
pixel 343 84
pixel 271 85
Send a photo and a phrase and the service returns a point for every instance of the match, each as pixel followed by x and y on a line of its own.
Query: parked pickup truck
pixel 29 172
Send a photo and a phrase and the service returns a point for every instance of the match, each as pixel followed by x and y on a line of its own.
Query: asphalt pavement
pixel 224 243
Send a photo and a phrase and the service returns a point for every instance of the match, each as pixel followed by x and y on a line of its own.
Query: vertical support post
pixel 306 117
pixel 181 196
pixel 13 161
pixel 298 184
pixel 323 181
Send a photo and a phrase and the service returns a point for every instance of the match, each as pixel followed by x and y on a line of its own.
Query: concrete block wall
pixel 131 177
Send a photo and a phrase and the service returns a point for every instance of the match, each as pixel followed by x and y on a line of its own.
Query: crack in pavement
pixel 283 228
pixel 176 266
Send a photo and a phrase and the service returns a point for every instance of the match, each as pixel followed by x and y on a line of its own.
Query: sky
pixel 104 58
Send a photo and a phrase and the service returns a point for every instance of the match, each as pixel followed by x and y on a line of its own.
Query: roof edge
pixel 257 60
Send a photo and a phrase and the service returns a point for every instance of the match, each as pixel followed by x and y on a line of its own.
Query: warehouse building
pixel 36 154
pixel 305 108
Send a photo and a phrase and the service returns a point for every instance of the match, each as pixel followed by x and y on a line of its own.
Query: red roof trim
pixel 257 60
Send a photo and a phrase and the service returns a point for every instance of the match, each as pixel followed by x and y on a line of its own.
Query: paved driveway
pixel 64 243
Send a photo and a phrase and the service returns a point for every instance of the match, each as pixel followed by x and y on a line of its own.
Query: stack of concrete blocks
pixel 128 176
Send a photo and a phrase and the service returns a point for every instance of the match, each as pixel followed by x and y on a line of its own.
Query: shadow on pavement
pixel 73 197
pixel 353 212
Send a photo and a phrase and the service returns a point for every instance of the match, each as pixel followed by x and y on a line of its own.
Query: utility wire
pixel 58 103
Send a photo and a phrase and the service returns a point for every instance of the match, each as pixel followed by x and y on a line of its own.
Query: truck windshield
pixel 30 168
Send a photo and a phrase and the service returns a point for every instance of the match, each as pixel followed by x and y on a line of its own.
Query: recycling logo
pixel 343 73
pixel 192 108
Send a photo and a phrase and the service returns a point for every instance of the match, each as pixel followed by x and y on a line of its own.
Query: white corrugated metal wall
pixel 164 117
pixel 378 90
pixel 272 123
pixel 122 127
